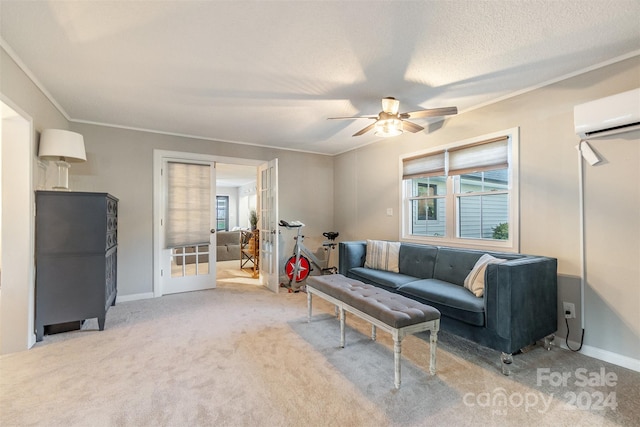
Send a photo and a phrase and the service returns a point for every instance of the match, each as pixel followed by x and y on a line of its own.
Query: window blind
pixel 476 157
pixel 480 156
pixel 423 166
pixel 188 204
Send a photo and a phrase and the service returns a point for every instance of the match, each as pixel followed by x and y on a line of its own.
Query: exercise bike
pixel 299 265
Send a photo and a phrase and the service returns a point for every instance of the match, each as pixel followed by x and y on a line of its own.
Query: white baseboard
pixel 134 297
pixel 600 354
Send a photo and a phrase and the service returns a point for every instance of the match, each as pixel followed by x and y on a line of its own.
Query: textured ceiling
pixel 271 72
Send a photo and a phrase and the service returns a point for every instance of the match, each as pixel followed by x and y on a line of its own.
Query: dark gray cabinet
pixel 76 257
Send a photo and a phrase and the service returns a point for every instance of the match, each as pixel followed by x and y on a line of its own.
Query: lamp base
pixel 63 176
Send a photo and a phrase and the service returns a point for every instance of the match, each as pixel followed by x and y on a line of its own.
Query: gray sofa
pixel 228 245
pixel 518 308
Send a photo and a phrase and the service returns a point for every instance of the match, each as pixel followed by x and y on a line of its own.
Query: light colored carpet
pixel 240 355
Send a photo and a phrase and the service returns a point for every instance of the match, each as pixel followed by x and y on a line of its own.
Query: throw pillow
pixel 382 255
pixel 475 279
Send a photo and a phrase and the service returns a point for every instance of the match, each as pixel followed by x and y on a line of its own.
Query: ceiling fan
pixel 389 122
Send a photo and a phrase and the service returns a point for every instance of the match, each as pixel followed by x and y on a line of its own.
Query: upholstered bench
pixel 398 315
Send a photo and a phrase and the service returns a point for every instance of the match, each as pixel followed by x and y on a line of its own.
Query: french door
pixel 269 238
pixel 187 224
pixel 193 266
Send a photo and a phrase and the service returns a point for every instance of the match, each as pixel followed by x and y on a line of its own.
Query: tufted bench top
pixel 392 309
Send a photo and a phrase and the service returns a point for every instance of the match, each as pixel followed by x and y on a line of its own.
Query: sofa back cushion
pixel 454 265
pixel 417 260
pixel 227 238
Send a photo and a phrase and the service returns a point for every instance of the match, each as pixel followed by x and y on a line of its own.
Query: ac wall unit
pixel 608 116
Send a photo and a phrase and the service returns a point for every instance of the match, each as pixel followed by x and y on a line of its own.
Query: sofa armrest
pixel 351 255
pixel 521 299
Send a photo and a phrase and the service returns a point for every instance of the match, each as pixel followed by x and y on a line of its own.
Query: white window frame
pixel 512 244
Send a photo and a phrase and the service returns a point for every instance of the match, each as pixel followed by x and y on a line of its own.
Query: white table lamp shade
pixel 59 144
pixel 63 146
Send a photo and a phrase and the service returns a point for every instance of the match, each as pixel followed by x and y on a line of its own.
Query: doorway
pixel 234 176
pixel 17 269
pixel 236 192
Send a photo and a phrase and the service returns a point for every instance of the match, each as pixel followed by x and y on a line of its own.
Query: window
pixel 464 194
pixel 222 213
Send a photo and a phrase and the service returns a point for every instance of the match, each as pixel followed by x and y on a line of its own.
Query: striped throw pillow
pixel 382 255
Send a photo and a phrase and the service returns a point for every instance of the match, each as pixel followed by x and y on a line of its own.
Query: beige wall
pixel 351 192
pixel 18 87
pixel 366 184
pixel 120 162
pixel 19 146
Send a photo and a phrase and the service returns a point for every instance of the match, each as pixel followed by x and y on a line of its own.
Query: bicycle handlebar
pixel 292 224
pixel 331 235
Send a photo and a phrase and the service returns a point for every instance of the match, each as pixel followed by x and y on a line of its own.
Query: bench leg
pixel 433 343
pixel 308 306
pixel 342 321
pixel 397 351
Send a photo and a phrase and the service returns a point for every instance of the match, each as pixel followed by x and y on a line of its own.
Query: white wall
pixel 367 183
pixel 232 193
pixel 246 203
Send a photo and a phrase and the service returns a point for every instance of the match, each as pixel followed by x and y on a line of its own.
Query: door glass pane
pixel 190 261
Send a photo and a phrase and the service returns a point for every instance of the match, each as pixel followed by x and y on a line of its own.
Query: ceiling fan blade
pixel 353 117
pixel 434 112
pixel 365 130
pixel 411 127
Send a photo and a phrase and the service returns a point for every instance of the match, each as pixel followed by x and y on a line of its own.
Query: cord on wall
pixel 567 339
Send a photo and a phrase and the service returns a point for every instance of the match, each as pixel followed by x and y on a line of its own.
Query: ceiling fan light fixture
pixel 388 127
pixel 390 105
pixel 389 122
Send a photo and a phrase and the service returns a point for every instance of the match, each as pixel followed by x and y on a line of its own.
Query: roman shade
pixel 424 166
pixel 188 204
pixel 480 156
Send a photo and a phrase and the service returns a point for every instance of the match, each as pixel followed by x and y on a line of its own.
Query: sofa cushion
pixel 475 280
pixel 227 238
pixel 454 265
pixel 417 260
pixel 385 279
pixel 452 300
pixel 382 255
pixel 227 245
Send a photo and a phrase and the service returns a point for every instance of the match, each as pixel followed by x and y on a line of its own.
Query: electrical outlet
pixel 569 309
